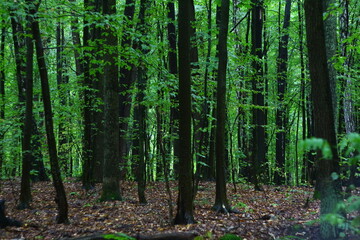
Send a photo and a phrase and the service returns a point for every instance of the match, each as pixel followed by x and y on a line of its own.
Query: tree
pixel 126 79
pixel 328 186
pixel 55 170
pixel 281 114
pixel 140 110
pixel 110 187
pixel 258 112
pixel 25 193
pixel 185 207
pixel 221 202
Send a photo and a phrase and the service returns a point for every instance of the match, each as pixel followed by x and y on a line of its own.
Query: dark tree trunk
pixel 324 126
pixel 173 69
pixel 306 162
pixel 185 206
pixel 205 171
pixel 140 110
pixel 259 117
pixel 25 192
pixel 20 56
pixel 330 28
pixel 55 170
pixel 281 112
pixel 221 202
pixel 88 166
pixel 110 187
pixel 62 94
pixel 127 77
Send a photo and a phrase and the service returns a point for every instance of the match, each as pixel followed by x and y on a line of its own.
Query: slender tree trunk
pixel 62 94
pixel 140 110
pixel 25 192
pixel 324 126
pixel 259 117
pixel 55 170
pixel 347 82
pixel 127 77
pixel 173 69
pixel 88 166
pixel 221 202
pixel 111 187
pixel 281 112
pixel 185 206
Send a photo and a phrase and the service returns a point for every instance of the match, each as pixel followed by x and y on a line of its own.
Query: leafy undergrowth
pixel 274 213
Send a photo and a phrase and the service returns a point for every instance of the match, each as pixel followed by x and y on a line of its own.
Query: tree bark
pixel 25 192
pixel 111 187
pixel 55 170
pixel 185 207
pixel 324 126
pixel 258 113
pixel 221 202
pixel 281 112
pixel 173 69
pixel 127 78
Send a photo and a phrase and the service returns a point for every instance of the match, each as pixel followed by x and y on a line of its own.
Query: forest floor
pixel 275 213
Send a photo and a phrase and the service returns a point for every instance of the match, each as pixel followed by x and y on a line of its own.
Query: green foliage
pixel 316 144
pixel 347 208
pixel 229 236
pixel 118 236
pixel 349 146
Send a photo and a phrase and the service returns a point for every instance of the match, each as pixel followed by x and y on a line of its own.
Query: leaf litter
pixel 274 213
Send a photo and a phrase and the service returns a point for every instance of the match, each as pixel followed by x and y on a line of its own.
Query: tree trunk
pixel 127 77
pixel 140 110
pixel 347 83
pixel 62 79
pixel 221 202
pixel 110 187
pixel 281 112
pixel 185 207
pixel 88 159
pixel 330 28
pixel 55 170
pixel 259 117
pixel 173 69
pixel 25 192
pixel 324 126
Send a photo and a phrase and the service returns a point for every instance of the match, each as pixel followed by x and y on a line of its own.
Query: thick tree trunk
pixel 185 207
pixel 324 126
pixel 45 89
pixel 110 187
pixel 221 202
pixel 281 112
pixel 330 28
